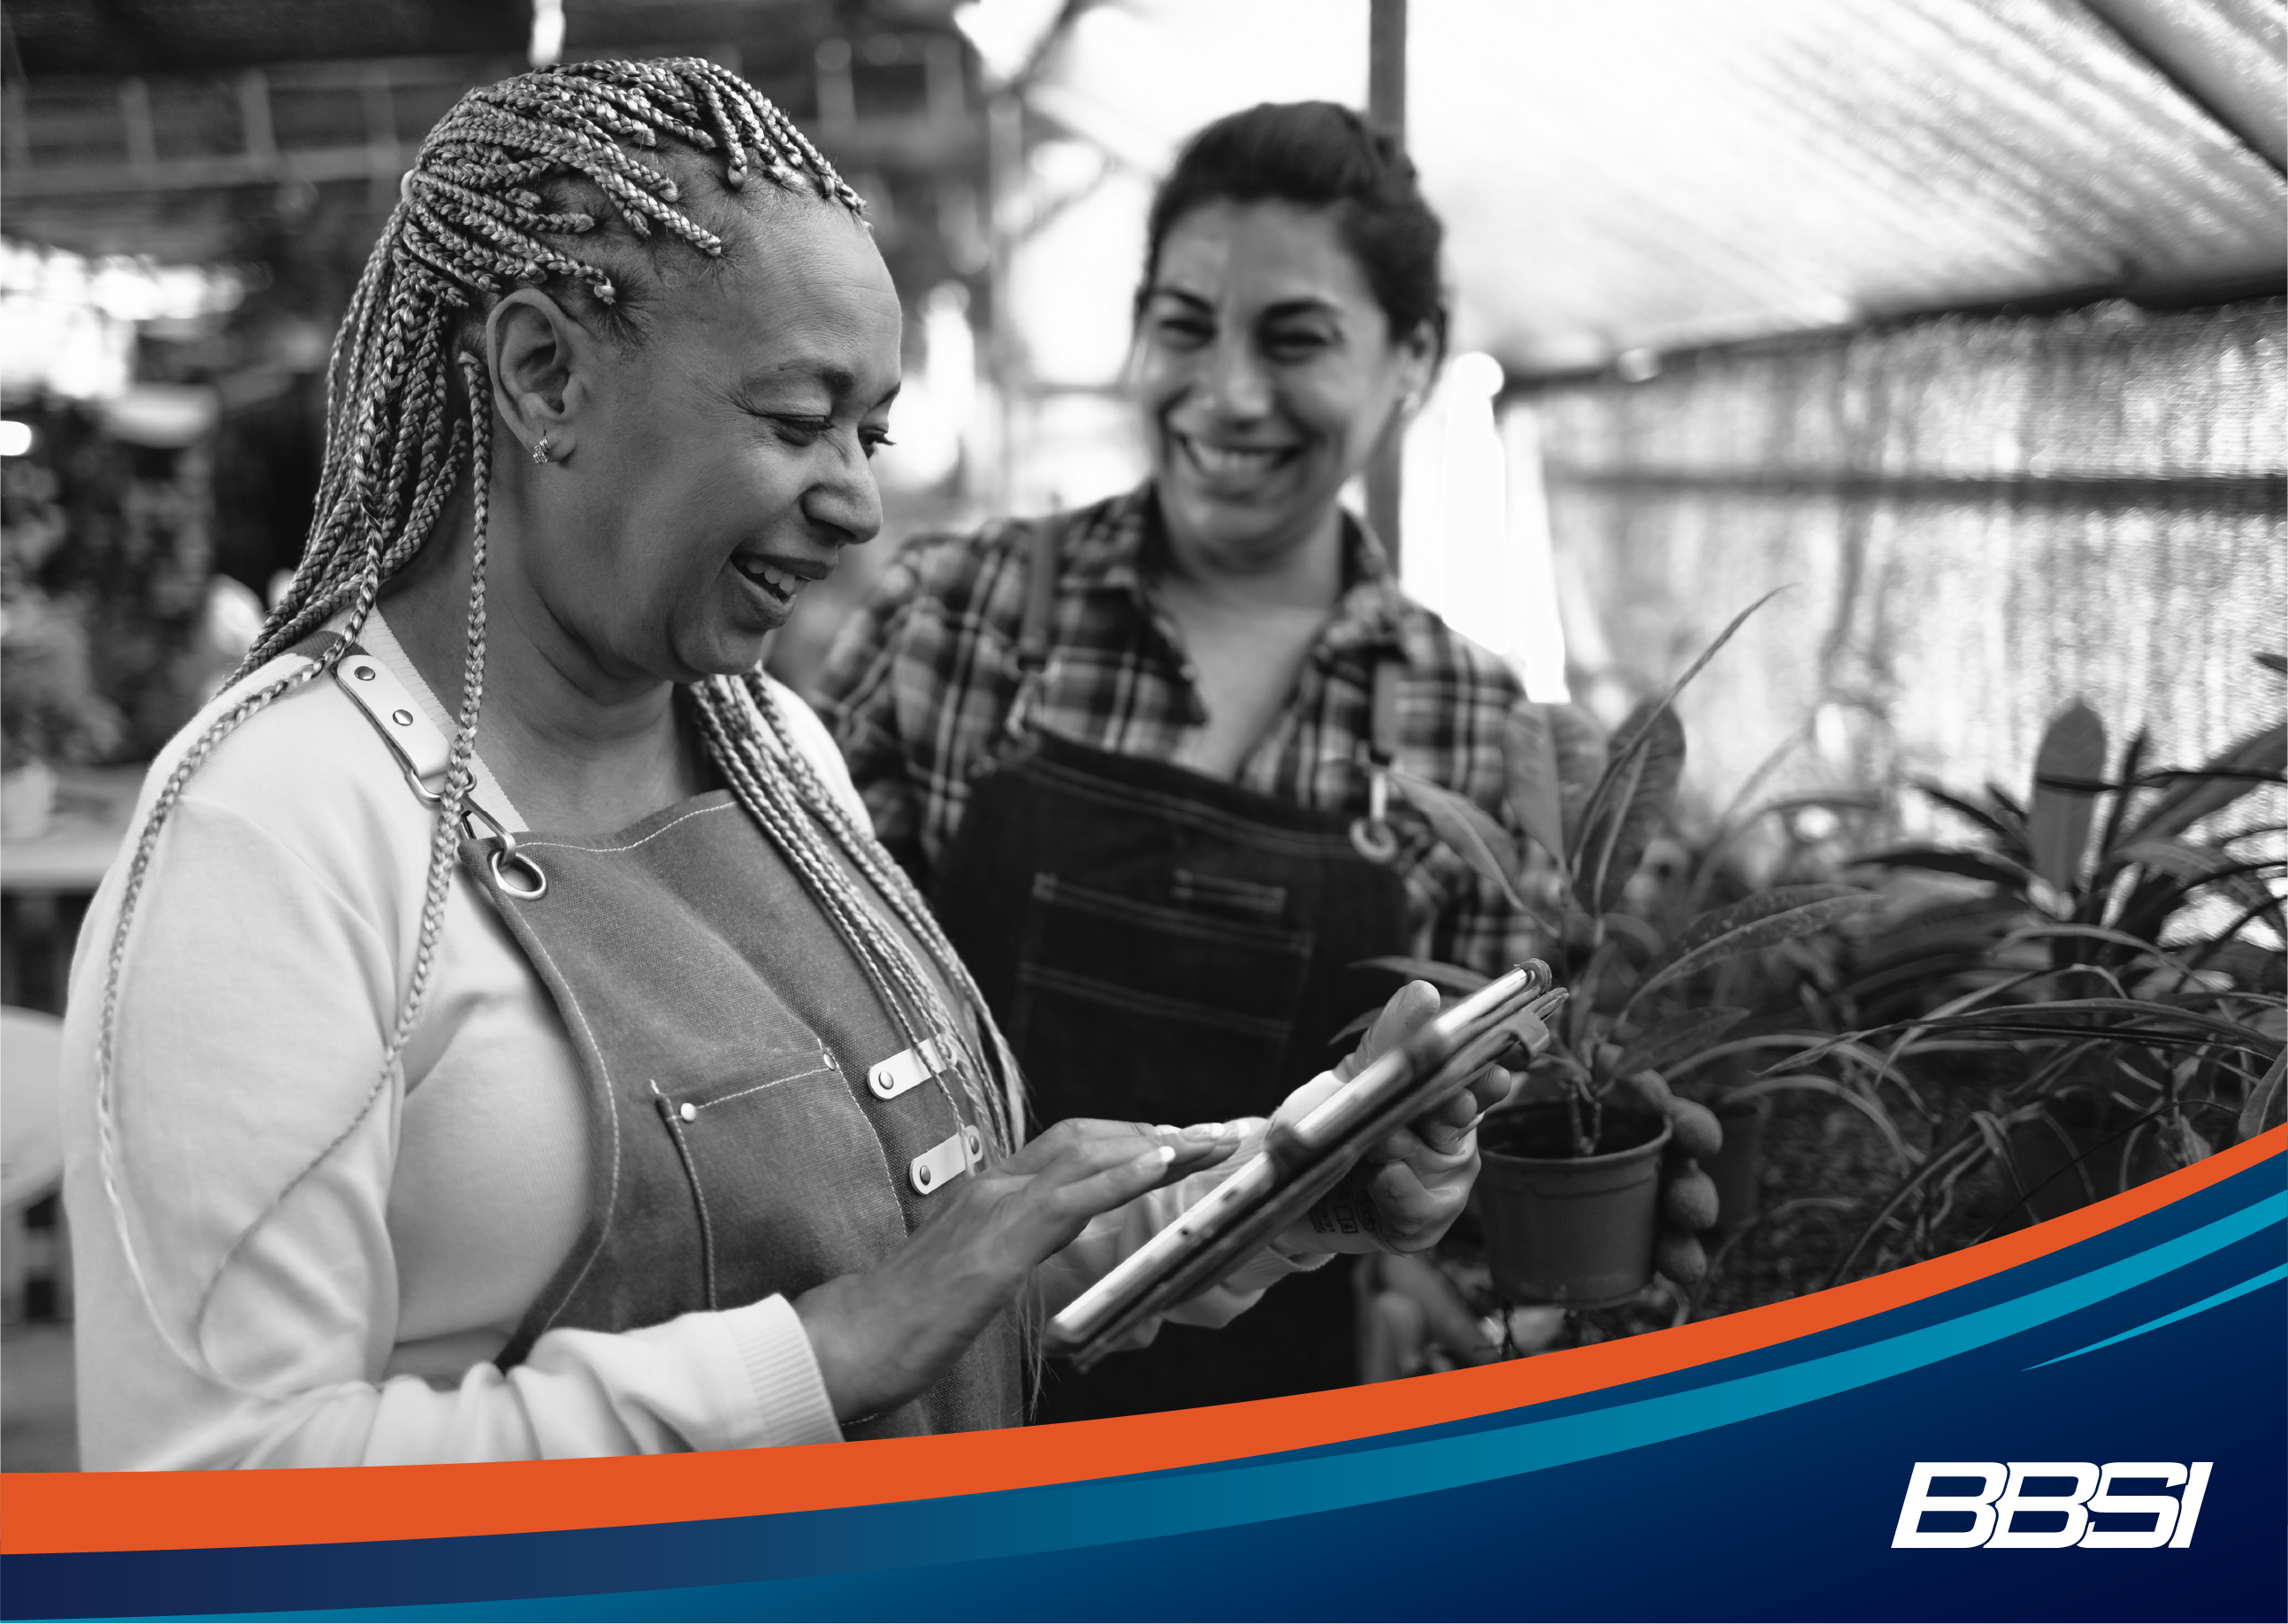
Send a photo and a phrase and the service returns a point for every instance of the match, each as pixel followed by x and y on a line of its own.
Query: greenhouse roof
pixel 1657 174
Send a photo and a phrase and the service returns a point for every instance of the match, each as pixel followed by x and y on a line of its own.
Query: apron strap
pixel 1028 661
pixel 1372 835
pixel 1035 632
pixel 424 755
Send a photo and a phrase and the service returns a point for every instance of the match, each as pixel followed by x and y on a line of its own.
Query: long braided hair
pixel 510 179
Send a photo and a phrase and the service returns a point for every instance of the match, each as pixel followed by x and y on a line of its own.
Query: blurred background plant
pixel 2100 1004
pixel 2084 995
pixel 52 712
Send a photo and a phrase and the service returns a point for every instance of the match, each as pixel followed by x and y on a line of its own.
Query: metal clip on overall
pixel 424 757
pixel 1372 835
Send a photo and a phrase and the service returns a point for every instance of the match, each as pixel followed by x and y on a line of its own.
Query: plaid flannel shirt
pixel 920 683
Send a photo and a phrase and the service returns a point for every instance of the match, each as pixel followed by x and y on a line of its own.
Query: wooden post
pixel 1386 105
pixel 1005 166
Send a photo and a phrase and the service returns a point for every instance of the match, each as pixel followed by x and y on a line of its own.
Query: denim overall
pixel 757 1122
pixel 1163 946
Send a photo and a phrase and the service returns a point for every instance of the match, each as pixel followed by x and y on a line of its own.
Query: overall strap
pixel 1372 835
pixel 1036 630
pixel 1039 625
pixel 1382 721
pixel 424 754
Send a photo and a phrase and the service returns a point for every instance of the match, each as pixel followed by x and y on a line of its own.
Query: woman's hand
pixel 1408 1190
pixel 884 1336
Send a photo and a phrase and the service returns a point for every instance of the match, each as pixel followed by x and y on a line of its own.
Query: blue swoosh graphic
pixel 2186 1312
pixel 1067 1516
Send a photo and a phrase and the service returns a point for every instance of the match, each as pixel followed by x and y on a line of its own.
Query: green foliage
pixel 2124 1031
pixel 1594 808
pixel 50 709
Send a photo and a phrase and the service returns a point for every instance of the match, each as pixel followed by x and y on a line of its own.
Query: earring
pixel 540 450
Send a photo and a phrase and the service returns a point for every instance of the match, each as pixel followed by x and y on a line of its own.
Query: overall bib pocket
pixel 793 1096
pixel 1139 1010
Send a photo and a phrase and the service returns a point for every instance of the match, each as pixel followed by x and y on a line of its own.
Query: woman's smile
pixel 777 578
pixel 1232 468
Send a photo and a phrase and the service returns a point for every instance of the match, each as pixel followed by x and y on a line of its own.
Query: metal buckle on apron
pixel 940 1164
pixel 910 1068
pixel 1372 836
pixel 422 753
pixel 505 854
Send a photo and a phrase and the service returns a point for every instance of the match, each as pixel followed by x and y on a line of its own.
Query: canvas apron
pixel 1162 946
pixel 757 1122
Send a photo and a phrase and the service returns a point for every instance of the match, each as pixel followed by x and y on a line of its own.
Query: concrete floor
pixel 38 1421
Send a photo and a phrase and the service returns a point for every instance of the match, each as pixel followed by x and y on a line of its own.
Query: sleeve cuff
pixel 790 1396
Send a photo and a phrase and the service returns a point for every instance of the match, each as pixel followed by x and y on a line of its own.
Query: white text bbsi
pixel 2002 1498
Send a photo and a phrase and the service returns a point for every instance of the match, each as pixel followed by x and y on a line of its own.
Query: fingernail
pixel 1164 1155
pixel 1207 1130
pixel 1165 1127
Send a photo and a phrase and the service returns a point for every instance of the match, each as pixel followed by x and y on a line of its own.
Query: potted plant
pixel 2102 978
pixel 50 714
pixel 1566 1196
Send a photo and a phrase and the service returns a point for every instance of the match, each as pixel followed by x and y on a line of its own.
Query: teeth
pixel 778 580
pixel 1215 459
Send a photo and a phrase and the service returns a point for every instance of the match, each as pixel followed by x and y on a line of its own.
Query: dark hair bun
pixel 1320 156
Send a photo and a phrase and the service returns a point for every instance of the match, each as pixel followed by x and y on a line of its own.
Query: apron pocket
pixel 1143 1012
pixel 840 1218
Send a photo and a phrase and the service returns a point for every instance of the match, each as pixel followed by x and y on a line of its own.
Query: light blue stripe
pixel 1143 1507
pixel 2186 1312
pixel 1113 1510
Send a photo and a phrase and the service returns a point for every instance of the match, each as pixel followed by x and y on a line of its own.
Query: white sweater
pixel 330 1261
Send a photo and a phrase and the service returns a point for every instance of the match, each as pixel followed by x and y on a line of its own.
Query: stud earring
pixel 540 450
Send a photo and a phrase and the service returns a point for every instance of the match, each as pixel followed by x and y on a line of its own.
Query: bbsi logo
pixel 2005 1496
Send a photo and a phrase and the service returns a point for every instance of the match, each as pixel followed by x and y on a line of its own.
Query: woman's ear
pixel 1419 355
pixel 540 361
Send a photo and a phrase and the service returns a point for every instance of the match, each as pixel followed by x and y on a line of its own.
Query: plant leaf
pixel 1962 805
pixel 1578 745
pixel 1659 751
pixel 2180 859
pixel 2072 749
pixel 1676 1039
pixel 1761 920
pixel 1940 860
pixel 2263 1110
pixel 1534 792
pixel 2117 816
pixel 1867 1108
pixel 1630 740
pixel 2261 758
pixel 1464 825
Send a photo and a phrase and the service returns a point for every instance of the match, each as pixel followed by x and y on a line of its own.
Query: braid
pixel 469 223
pixel 783 796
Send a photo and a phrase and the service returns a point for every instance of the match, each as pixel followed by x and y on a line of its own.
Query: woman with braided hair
pixel 409 1117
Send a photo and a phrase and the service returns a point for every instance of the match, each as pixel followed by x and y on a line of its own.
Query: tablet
pixel 1300 1163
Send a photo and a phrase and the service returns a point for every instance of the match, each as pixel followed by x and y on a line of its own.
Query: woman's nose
pixel 846 500
pixel 1237 384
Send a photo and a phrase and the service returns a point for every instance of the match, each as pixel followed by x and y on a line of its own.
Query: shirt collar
pixel 1114 546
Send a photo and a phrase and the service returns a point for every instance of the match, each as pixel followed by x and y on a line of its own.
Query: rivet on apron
pixel 972 1142
pixel 689 1113
pixel 941 1163
pixel 362 673
pixel 403 718
pixel 907 1069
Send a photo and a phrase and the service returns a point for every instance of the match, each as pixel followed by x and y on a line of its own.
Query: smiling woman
pixel 609 1090
pixel 1134 750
